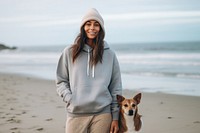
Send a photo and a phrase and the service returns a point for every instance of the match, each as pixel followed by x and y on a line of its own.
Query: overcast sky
pixel 56 22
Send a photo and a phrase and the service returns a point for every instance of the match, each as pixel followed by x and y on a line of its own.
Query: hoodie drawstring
pixel 88 65
pixel 93 71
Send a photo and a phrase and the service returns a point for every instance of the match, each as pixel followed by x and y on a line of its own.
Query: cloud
pixel 153 18
pixel 38 21
pixel 58 22
pixel 164 17
pixel 153 15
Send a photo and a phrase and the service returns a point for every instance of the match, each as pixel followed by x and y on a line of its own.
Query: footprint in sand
pixel 14 128
pixel 40 129
pixel 12 120
pixel 169 117
pixel 196 122
pixel 23 112
pixel 60 107
pixel 50 119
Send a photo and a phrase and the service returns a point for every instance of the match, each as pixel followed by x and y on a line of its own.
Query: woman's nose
pixel 92 27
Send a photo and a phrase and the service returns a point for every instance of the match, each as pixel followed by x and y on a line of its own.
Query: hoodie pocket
pixel 89 99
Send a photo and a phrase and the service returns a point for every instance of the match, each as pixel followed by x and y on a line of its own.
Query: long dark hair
pixel 97 52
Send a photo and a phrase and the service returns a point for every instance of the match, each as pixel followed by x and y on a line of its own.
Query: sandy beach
pixel 31 105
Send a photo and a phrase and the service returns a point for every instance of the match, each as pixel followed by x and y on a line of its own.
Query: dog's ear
pixel 137 98
pixel 120 98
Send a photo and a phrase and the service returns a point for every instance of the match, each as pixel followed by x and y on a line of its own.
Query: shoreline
pixel 127 82
pixel 29 105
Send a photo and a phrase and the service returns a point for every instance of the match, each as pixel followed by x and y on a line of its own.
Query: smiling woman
pixel 89 78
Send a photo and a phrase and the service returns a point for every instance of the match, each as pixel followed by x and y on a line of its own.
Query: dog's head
pixel 129 106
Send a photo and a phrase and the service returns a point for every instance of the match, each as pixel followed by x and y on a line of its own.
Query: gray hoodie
pixel 86 89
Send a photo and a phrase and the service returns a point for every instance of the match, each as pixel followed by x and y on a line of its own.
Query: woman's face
pixel 92 29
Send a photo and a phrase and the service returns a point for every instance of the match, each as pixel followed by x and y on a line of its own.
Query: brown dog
pixel 129 118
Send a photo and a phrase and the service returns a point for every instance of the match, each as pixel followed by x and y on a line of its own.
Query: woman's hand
pixel 114 126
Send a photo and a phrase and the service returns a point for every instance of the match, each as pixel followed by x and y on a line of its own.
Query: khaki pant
pixel 89 124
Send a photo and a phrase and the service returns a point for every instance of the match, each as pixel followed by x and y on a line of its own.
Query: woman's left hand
pixel 114 126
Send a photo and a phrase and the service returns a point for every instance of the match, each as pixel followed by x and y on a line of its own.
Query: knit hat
pixel 93 14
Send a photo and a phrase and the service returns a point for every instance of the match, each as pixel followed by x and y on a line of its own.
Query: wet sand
pixel 31 105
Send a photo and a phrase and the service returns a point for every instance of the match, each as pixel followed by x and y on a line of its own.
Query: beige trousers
pixel 89 124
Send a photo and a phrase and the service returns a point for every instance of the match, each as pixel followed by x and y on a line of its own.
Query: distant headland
pixel 2 47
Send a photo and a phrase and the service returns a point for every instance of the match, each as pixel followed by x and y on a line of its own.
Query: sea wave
pixel 192 59
pixel 164 74
pixel 157 71
pixel 172 63
pixel 184 56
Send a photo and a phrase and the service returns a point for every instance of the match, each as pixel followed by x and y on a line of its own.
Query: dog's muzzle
pixel 130 112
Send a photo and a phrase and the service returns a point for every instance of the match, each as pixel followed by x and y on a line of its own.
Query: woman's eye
pixel 88 24
pixel 96 24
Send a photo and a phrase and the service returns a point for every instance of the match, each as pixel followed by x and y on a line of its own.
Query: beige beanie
pixel 93 14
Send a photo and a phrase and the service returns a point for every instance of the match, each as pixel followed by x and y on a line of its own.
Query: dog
pixel 129 118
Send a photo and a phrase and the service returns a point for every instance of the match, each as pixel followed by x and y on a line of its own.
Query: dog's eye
pixel 133 105
pixel 125 105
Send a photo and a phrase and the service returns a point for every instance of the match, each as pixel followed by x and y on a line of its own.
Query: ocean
pixel 172 67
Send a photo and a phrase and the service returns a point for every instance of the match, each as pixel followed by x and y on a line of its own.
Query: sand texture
pixel 31 105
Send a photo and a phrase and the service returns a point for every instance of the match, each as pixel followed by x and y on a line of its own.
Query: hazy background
pixel 157 42
pixel 53 22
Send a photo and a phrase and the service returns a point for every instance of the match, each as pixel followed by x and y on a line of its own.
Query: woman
pixel 88 80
